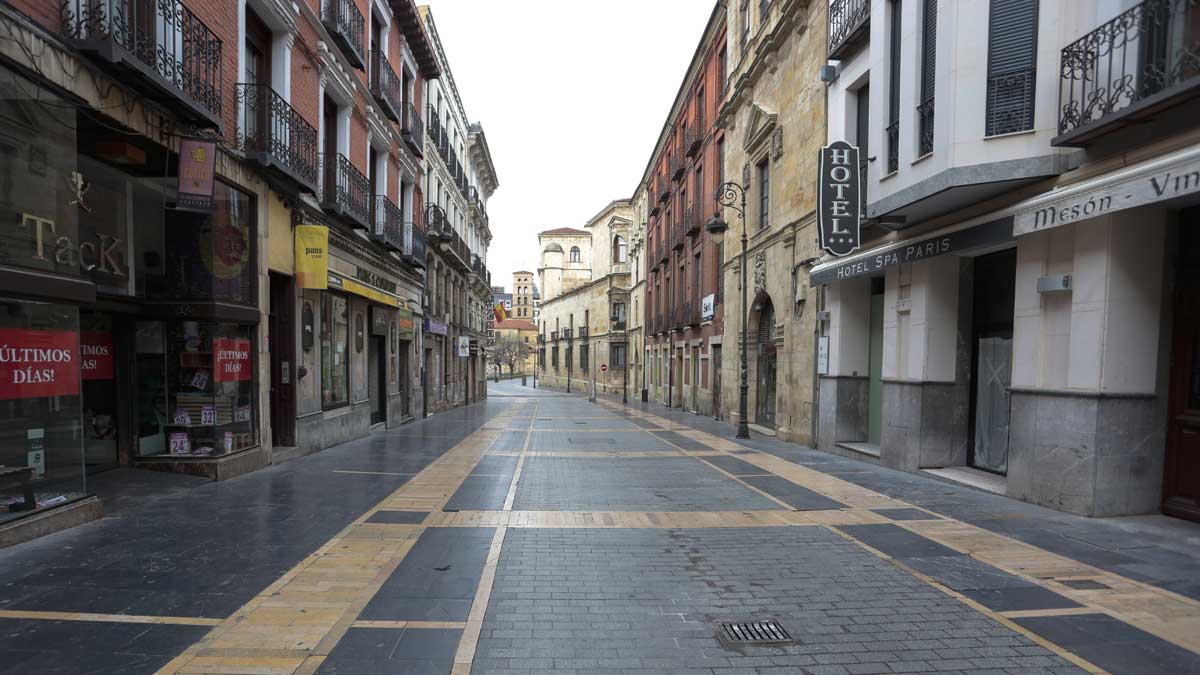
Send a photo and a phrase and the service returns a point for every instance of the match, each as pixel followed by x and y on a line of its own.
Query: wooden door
pixel 1181 480
pixel 282 338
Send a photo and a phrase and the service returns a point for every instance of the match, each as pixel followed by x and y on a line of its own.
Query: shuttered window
pixel 928 77
pixel 1012 65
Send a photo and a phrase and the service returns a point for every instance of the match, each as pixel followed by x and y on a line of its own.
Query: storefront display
pixel 97 352
pixel 41 450
pixel 335 350
pixel 197 396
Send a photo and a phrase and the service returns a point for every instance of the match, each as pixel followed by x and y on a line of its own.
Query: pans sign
pixel 839 199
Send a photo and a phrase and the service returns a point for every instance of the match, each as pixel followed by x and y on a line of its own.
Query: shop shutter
pixel 1012 65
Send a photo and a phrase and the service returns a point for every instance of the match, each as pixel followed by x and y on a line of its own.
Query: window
pixel 1012 59
pixel 701 193
pixel 893 127
pixel 620 249
pixel 744 23
pixel 862 127
pixel 764 10
pixel 616 353
pixel 697 278
pixel 554 356
pixel 928 66
pixel 724 74
pixel 583 357
pixel 720 271
pixel 575 254
pixel 335 350
pixel 764 192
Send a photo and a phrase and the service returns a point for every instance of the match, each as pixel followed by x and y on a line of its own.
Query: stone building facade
pixel 773 116
pixel 583 321
pixel 523 306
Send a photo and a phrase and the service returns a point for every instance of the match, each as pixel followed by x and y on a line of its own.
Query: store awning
pixel 359 288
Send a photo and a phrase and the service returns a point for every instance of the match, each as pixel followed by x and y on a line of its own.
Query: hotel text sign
pixel 839 198
pixel 995 232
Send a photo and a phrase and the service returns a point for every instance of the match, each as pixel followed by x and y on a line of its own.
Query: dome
pixel 553 248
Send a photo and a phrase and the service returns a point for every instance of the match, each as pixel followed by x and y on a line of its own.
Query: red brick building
pixel 683 316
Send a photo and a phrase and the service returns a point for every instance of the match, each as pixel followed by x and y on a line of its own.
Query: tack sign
pixel 839 199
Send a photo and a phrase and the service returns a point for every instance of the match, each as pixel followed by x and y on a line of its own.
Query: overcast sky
pixel 572 95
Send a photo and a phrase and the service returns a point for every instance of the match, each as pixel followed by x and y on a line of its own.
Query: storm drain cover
pixel 767 632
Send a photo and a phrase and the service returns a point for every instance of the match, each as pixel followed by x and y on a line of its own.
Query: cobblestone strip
pixel 295 622
pixel 512 488
pixel 467 644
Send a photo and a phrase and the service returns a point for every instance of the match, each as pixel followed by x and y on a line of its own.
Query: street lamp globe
pixel 716 226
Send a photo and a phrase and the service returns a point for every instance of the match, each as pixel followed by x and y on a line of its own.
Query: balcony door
pixel 257 71
pixel 1181 480
pixel 330 145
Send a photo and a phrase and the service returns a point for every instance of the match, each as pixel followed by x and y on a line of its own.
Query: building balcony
pixel 692 308
pixel 678 166
pixel 412 129
pixel 677 238
pixel 583 332
pixel 419 246
pixel 386 87
pixel 346 192
pixel 435 125
pixel 347 26
pixel 691 220
pixel 389 224
pixel 849 27
pixel 662 188
pixel 692 140
pixel 161 48
pixel 1140 63
pixel 566 333
pixel 276 138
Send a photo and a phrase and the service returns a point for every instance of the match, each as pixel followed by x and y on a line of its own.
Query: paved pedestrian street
pixel 539 532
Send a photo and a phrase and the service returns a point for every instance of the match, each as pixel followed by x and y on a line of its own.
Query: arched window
pixel 575 254
pixel 620 249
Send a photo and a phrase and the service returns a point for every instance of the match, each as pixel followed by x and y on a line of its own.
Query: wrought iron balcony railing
pixel 692 140
pixel 386 87
pixel 272 134
pixel 678 166
pixel 347 26
pixel 435 125
pixel 171 53
pixel 412 129
pixel 346 192
pixel 583 332
pixel 849 23
pixel 664 187
pixel 419 246
pixel 691 219
pixel 892 131
pixel 677 238
pixel 925 127
pixel 389 224
pixel 1142 61
pixel 1010 101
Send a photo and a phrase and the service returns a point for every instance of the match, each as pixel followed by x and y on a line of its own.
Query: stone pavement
pixel 537 532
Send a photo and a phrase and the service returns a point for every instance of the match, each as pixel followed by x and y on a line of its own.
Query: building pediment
pixel 760 124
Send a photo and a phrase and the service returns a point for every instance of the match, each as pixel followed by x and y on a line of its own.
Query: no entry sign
pixel 603 367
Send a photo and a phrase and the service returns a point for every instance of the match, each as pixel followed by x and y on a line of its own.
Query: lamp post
pixel 733 196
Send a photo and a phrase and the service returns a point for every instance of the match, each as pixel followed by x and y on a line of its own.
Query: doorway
pixel 764 413
pixel 377 378
pixel 695 379
pixel 716 380
pixel 283 347
pixel 405 404
pixel 875 366
pixel 679 379
pixel 1181 476
pixel 991 359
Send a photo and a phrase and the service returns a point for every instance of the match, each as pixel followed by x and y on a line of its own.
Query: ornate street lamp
pixel 733 196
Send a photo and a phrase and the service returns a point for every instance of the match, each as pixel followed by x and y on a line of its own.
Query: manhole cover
pixel 767 632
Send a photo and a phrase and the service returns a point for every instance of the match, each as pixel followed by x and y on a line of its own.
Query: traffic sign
pixel 603 367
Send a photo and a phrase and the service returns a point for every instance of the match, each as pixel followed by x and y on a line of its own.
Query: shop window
pixel 195 388
pixel 41 452
pixel 97 365
pixel 210 256
pixel 335 350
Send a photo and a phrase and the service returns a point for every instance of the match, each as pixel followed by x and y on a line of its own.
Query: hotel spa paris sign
pixel 839 198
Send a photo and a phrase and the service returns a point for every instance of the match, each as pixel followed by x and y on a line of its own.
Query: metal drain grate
pixel 752 632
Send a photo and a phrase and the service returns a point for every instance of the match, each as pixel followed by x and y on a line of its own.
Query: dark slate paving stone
pixel 493 465
pixel 437 579
pixel 509 441
pixel 1113 645
pixel 736 466
pixel 682 441
pixel 480 493
pixel 960 572
pixel 1019 598
pixel 70 662
pixel 906 513
pixel 796 496
pixel 898 542
pixel 164 640
pixel 398 517
pixel 645 424
pixel 369 651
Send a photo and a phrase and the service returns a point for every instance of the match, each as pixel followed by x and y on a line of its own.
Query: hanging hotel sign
pixel 197 163
pixel 231 359
pixel 38 363
pixel 708 307
pixel 312 256
pixel 1153 181
pixel 875 261
pixel 839 199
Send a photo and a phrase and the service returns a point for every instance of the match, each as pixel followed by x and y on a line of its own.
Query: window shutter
pixel 1012 65
pixel 928 49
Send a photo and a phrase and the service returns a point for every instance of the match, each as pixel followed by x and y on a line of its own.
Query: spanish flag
pixel 501 315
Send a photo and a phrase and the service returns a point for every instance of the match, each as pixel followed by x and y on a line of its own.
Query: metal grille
pixel 752 632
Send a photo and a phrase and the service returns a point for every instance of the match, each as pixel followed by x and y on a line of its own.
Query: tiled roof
pixel 564 230
pixel 518 324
